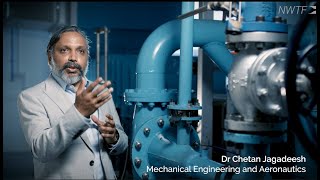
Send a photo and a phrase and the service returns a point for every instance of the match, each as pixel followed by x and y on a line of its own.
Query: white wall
pixel 24 65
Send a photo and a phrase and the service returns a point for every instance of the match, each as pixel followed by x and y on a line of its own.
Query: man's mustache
pixel 71 64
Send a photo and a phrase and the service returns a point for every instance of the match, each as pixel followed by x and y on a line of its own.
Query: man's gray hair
pixel 57 35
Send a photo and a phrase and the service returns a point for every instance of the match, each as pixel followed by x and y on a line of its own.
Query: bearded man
pixel 70 123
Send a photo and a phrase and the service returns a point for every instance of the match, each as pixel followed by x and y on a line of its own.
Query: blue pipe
pixel 186 51
pixel 253 9
pixel 185 71
pixel 220 54
pixel 152 59
pixel 164 153
pixel 143 114
pixel 165 40
pixel 183 134
pixel 250 10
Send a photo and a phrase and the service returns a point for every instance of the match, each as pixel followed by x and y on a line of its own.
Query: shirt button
pixel 91 163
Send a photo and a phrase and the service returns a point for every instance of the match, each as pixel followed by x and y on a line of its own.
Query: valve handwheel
pixel 301 82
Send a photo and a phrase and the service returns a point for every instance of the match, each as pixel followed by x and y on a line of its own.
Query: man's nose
pixel 72 56
pixel 72 60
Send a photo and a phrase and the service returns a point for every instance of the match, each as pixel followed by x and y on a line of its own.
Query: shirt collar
pixel 64 85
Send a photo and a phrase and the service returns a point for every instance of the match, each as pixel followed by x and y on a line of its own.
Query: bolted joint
pixel 275 108
pixel 195 145
pixel 146 131
pixel 260 18
pixel 137 162
pixel 260 45
pixel 262 92
pixel 160 123
pixel 262 70
pixel 145 176
pixel 241 46
pixel 138 146
pixel 151 105
pixel 139 104
pixel 278 57
pixel 277 19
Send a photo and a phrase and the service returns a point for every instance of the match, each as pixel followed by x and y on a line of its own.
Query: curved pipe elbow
pixel 161 152
pixel 220 55
pixel 162 43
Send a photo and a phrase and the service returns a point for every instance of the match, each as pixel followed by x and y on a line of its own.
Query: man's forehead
pixel 72 34
pixel 72 38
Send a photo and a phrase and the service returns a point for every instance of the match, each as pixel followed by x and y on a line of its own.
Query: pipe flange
pixel 150 95
pixel 266 82
pixel 280 27
pixel 271 37
pixel 253 138
pixel 139 156
pixel 255 126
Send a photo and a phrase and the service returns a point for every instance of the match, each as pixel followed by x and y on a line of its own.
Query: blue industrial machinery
pixel 256 81
pixel 257 116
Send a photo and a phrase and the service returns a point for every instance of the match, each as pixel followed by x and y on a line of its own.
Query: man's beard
pixel 64 75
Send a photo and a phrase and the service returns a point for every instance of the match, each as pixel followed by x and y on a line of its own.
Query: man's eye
pixel 63 50
pixel 82 51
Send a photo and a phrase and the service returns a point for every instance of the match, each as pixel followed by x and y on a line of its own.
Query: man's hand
pixel 107 129
pixel 88 101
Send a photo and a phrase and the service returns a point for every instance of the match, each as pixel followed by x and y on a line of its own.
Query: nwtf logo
pixel 296 9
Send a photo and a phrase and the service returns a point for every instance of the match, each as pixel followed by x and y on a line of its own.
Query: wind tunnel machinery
pixel 257 95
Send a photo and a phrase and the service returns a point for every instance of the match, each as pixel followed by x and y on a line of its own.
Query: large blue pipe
pixel 185 71
pixel 186 51
pixel 165 153
pixel 165 40
pixel 157 49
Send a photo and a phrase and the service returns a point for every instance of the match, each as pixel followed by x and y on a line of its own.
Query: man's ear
pixel 49 57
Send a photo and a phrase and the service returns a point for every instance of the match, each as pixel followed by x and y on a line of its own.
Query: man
pixel 70 123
